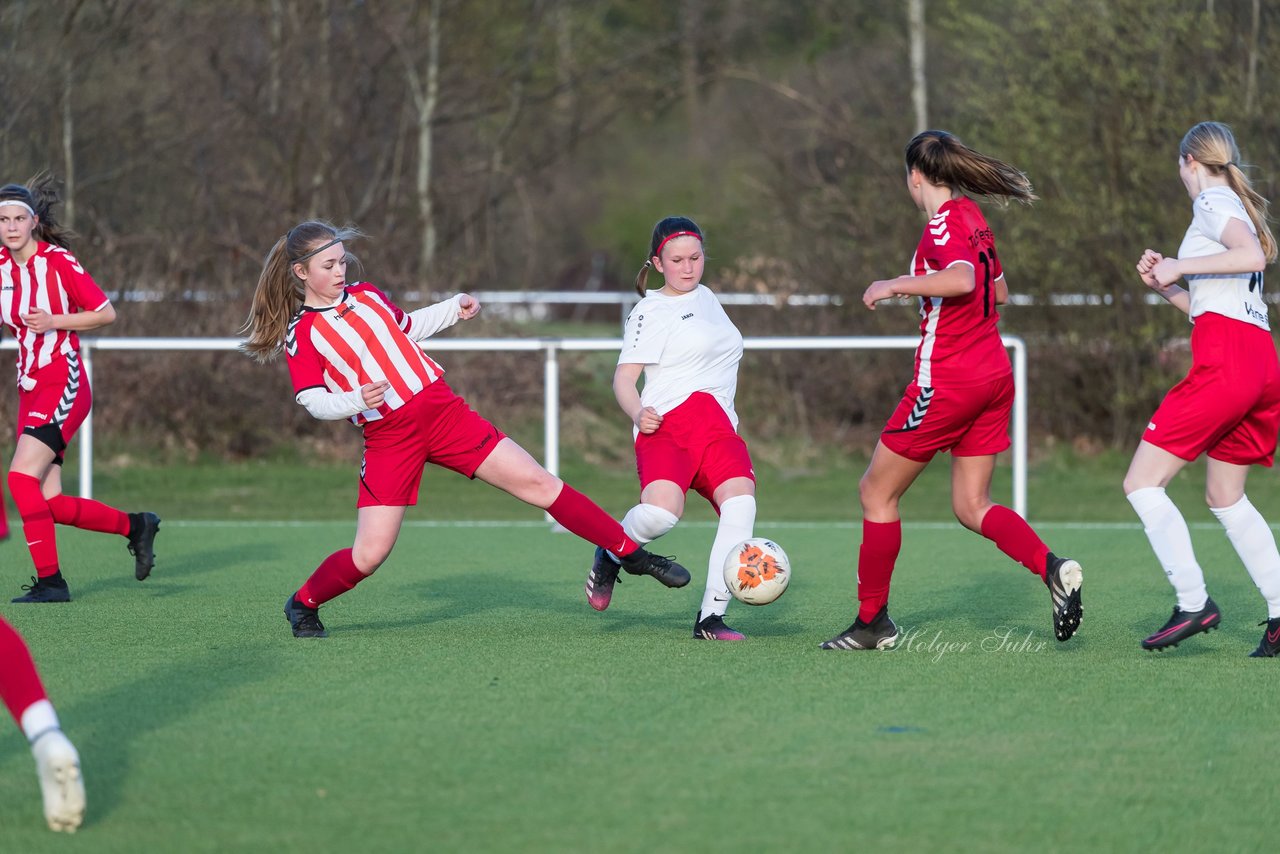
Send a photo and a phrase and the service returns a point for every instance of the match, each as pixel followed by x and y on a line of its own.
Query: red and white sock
pixel 20 686
pixel 37 522
pixel 582 516
pixel 335 575
pixel 881 542
pixel 1013 536
pixel 89 515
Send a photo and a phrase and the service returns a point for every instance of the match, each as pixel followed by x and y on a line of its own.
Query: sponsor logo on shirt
pixel 1254 313
pixel 981 236
pixel 40 415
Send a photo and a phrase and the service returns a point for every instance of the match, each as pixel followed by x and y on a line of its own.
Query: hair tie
pixel 648 263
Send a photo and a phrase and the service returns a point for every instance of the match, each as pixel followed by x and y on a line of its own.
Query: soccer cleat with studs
pixel 142 540
pixel 1183 624
pixel 881 633
pixel 713 627
pixel 1269 646
pixel 665 569
pixel 1064 578
pixel 304 621
pixel 45 590
pixel 600 580
pixel 61 786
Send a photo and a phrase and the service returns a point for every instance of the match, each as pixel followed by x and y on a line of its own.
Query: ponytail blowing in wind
pixel 40 193
pixel 280 293
pixel 664 230
pixel 1212 145
pixel 945 160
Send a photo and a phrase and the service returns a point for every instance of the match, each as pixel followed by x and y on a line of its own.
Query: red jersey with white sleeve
pixel 53 280
pixel 362 338
pixel 960 345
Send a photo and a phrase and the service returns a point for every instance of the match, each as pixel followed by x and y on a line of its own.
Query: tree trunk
pixel 68 146
pixel 274 57
pixel 919 94
pixel 1251 82
pixel 426 115
pixel 690 27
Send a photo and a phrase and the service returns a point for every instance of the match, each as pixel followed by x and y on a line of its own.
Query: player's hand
pixel 1166 272
pixel 878 291
pixel 373 393
pixel 38 320
pixel 648 420
pixel 468 306
pixel 1145 265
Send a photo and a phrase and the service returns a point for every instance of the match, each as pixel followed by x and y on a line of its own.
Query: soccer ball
pixel 757 571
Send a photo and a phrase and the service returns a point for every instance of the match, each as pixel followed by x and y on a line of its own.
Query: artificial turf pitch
pixel 468 699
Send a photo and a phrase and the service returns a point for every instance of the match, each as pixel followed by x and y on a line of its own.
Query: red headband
pixel 658 254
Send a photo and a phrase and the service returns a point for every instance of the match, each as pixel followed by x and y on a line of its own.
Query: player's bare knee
pixel 368 558
pixel 1219 496
pixel 969 513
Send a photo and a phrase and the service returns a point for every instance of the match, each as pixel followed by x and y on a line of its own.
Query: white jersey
pixel 1234 295
pixel 686 344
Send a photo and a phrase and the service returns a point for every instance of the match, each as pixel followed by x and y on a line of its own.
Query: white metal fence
pixel 551 348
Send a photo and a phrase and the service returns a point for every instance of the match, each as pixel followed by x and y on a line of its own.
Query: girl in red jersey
pixel 46 298
pixel 962 393
pixel 57 763
pixel 685 424
pixel 1228 406
pixel 352 353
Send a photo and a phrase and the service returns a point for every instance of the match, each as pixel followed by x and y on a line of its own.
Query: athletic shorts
pixel 695 447
pixel 969 422
pixel 1228 405
pixel 435 426
pixel 53 410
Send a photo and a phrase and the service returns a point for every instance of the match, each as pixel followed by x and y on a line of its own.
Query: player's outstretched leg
pixel 737 524
pixel 643 524
pixel 1183 624
pixel 880 632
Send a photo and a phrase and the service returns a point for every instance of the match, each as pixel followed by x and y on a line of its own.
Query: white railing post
pixel 85 434
pixel 1019 348
pixel 551 410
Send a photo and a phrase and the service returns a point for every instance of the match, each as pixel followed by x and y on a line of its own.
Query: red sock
pixel 335 575
pixel 582 516
pixel 1013 536
pixel 89 514
pixel 37 522
pixel 4 516
pixel 19 683
pixel 881 542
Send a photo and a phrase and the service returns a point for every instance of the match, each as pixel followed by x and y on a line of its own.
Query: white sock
pixel 38 718
pixel 1171 541
pixel 1256 545
pixel 644 523
pixel 737 521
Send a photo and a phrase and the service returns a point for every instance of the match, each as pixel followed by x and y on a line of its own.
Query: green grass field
pixel 468 699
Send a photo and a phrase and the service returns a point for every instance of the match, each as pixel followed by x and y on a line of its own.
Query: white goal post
pixel 551 349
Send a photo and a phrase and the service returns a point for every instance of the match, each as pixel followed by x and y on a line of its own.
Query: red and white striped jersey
pixel 360 340
pixel 53 280
pixel 959 342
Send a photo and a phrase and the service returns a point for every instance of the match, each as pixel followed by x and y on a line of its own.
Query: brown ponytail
pixel 946 161
pixel 40 193
pixel 280 293
pixel 1212 145
pixel 664 229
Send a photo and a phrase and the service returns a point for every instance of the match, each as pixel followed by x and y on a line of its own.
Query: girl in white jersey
pixel 686 429
pixel 1228 406
pixel 46 298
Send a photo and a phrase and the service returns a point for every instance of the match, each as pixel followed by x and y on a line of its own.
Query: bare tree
pixel 919 94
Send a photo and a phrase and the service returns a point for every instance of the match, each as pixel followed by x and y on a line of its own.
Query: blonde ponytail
pixel 1213 145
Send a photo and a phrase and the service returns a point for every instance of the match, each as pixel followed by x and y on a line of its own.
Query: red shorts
pixel 435 426
pixel 696 447
pixel 1228 405
pixel 969 422
pixel 54 410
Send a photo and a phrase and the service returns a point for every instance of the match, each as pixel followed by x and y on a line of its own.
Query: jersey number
pixel 1255 281
pixel 987 263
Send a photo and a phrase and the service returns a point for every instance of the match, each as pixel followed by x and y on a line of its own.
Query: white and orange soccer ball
pixel 757 571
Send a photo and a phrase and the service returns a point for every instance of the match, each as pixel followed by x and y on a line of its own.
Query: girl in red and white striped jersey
pixel 962 393
pixel 354 354
pixel 46 298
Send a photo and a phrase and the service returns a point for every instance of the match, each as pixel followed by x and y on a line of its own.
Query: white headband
pixel 19 202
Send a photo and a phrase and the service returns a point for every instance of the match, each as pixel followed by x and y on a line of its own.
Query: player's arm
pixel 625 378
pixel 38 320
pixel 1002 291
pixel 955 281
pixel 425 322
pixel 1174 295
pixel 1243 255
pixel 328 405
